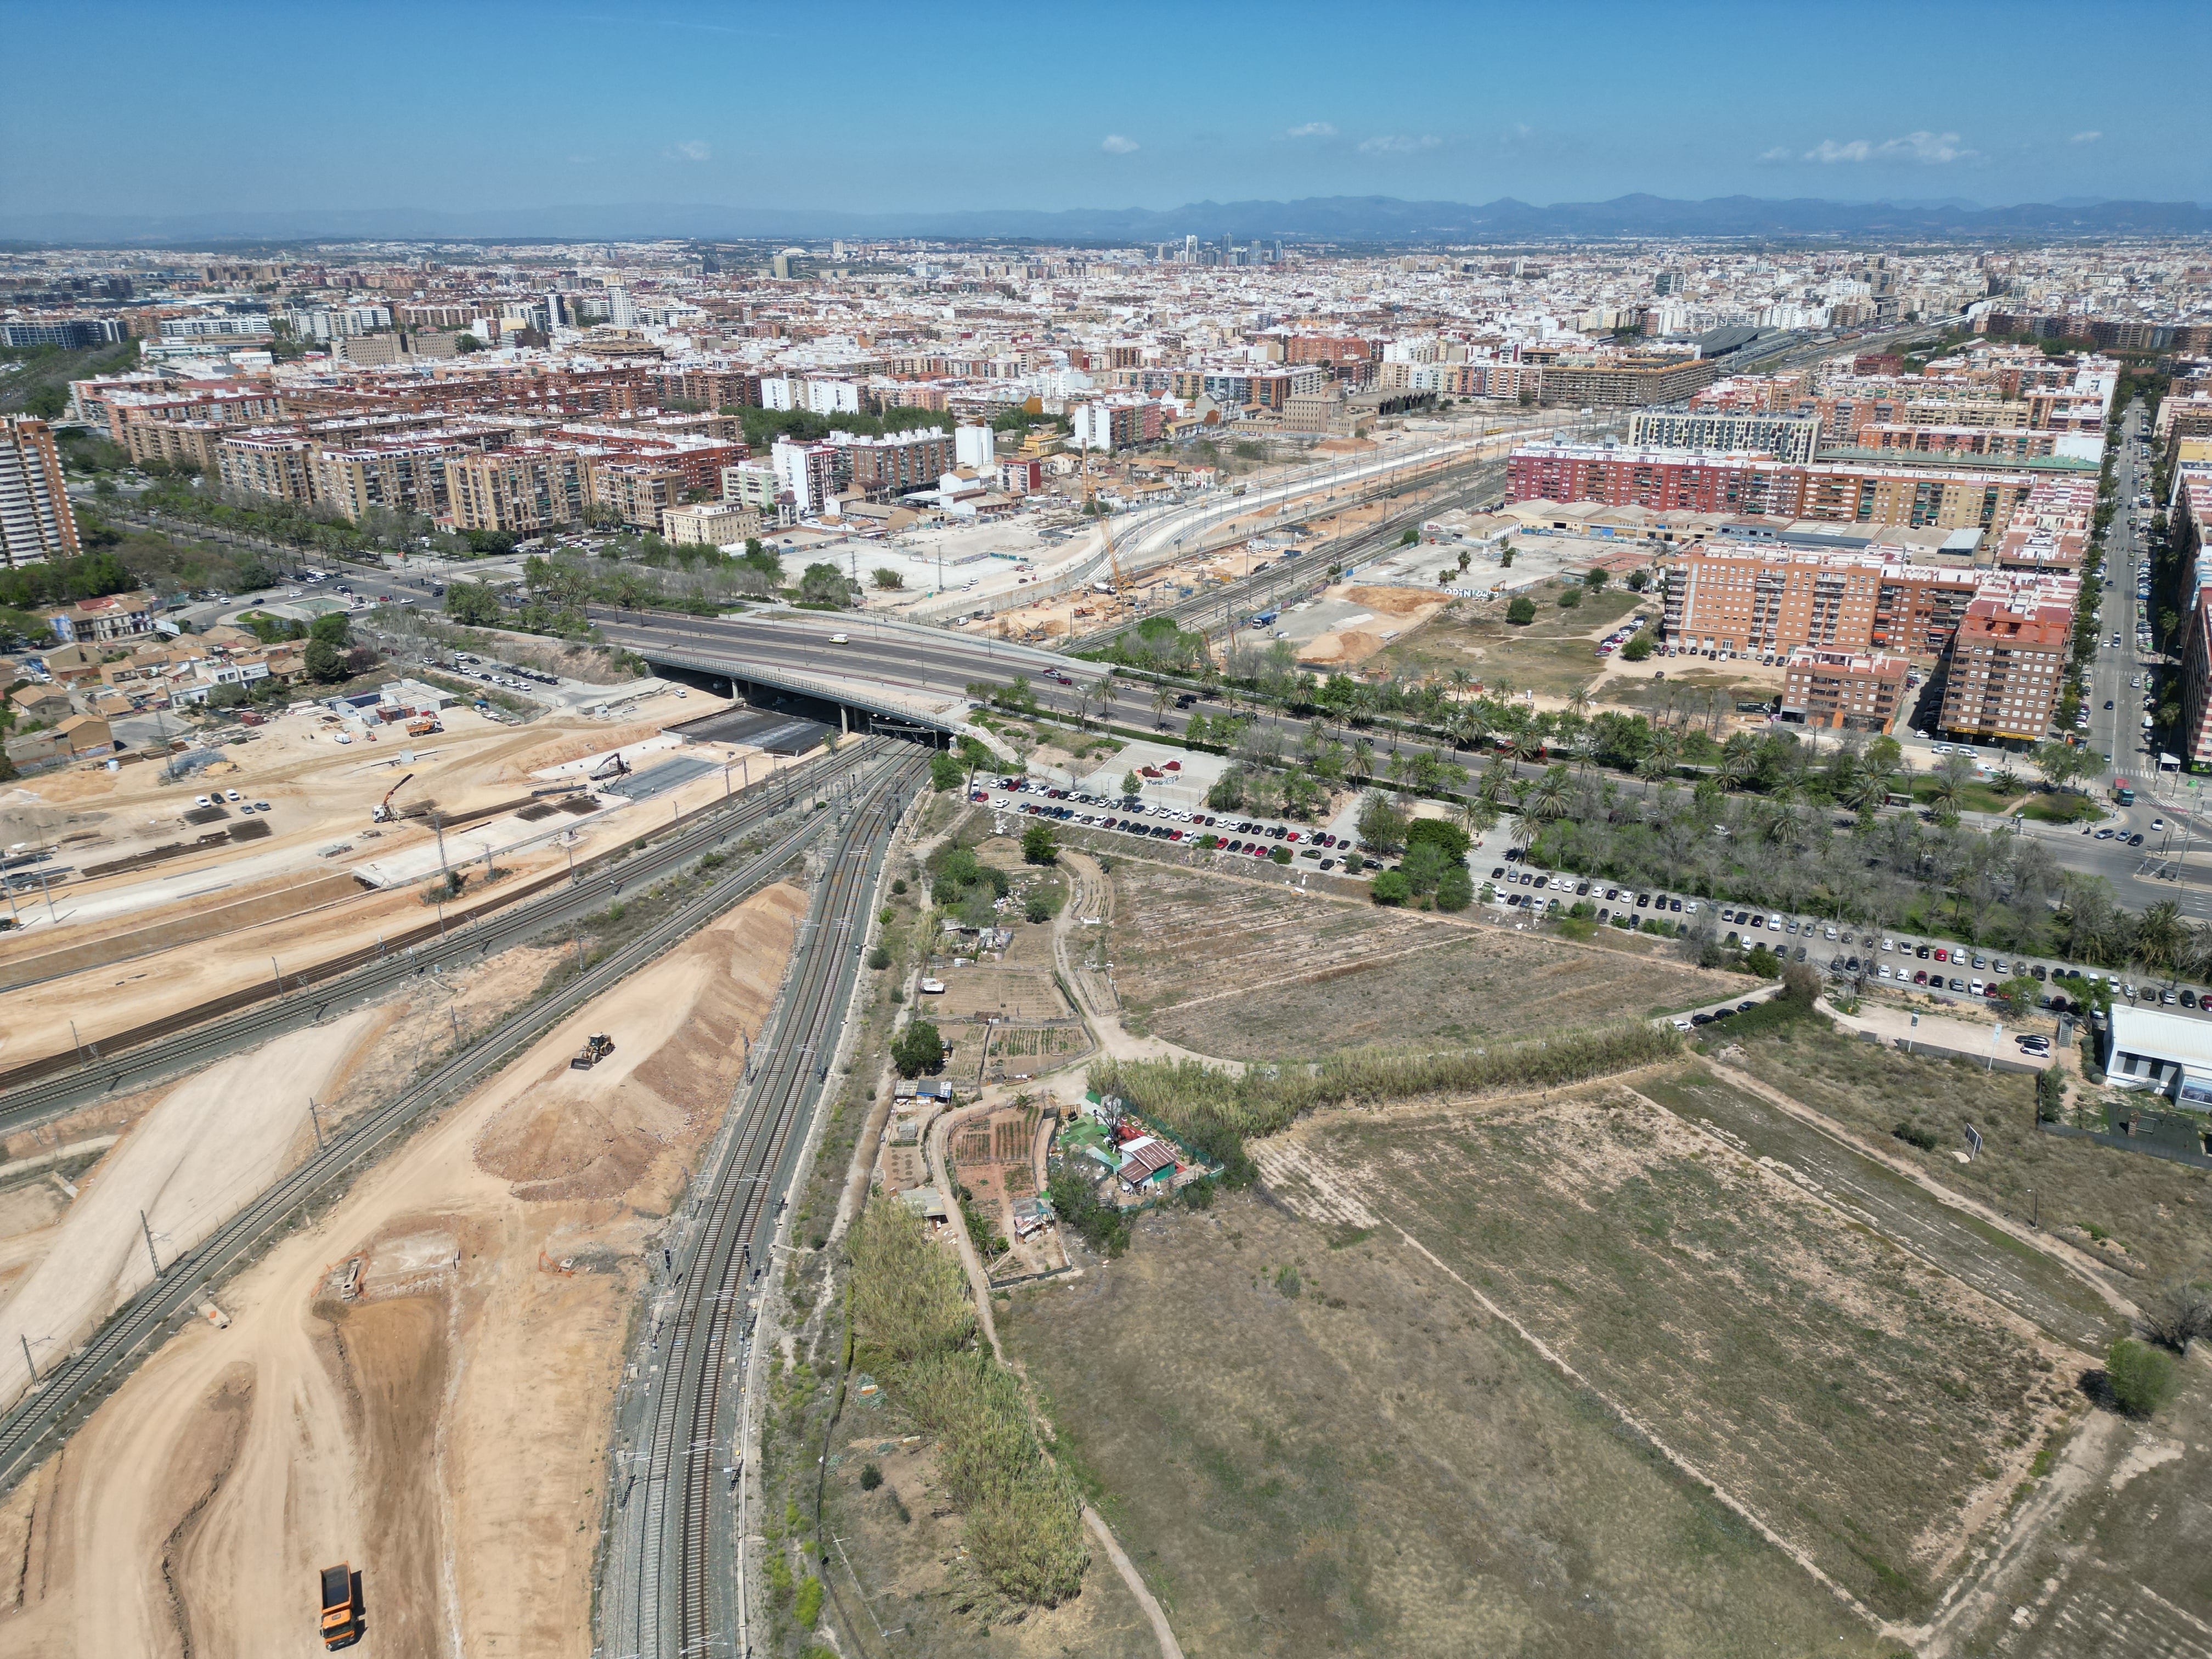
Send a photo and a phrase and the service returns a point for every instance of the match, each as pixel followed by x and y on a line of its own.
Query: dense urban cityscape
pixel 1360 918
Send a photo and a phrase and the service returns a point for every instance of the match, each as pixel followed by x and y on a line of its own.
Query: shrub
pixel 872 1476
pixel 1104 1227
pixel 899 885
pixel 1570 597
pixel 1280 856
pixel 1915 1134
pixel 1522 610
pixel 1636 649
pixel 879 958
pixel 1039 909
pixel 2050 1095
pixel 1039 845
pixel 2140 1378
pixel 945 770
pixel 1391 887
pixel 806 1607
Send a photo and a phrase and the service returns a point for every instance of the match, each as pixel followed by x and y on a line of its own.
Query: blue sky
pixel 228 104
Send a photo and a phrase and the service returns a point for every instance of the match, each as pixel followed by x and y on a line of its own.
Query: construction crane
pixel 383 814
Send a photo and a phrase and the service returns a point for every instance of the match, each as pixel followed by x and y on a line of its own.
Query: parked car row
pixel 1127 816
pixel 1850 951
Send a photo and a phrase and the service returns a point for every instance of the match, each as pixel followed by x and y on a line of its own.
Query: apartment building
pixel 2003 443
pixel 404 475
pixel 1837 491
pixel 102 621
pixel 710 523
pixel 752 484
pixel 36 523
pixel 811 473
pixel 196 445
pixel 1784 437
pixel 1844 690
pixel 2191 521
pixel 2006 668
pixel 1766 601
pixel 639 493
pixel 896 463
pixel 275 463
pixel 1631 383
pixel 522 488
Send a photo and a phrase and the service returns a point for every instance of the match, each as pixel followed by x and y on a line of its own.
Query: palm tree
pixel 1162 696
pixel 1362 756
pixel 1739 760
pixel 2160 934
pixel 1550 796
pixel 1110 693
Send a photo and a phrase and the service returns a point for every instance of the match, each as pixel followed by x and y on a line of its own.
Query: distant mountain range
pixel 1344 219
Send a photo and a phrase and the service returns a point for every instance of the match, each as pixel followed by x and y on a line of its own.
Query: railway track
pixel 308 999
pixel 662 1592
pixel 56 1402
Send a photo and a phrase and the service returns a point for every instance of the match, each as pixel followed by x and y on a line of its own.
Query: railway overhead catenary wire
pixel 304 1001
pixel 33 1424
pixel 670 1585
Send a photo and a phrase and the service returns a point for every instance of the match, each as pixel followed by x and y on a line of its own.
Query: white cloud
pixel 1312 129
pixel 691 150
pixel 1932 148
pixel 1116 144
pixel 2088 137
pixel 1779 153
pixel 1393 144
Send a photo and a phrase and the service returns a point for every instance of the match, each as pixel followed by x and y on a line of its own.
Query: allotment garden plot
pixel 1249 972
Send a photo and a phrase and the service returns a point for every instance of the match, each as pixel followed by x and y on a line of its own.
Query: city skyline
pixel 757 109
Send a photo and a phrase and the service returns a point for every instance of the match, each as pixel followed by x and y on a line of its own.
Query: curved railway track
pixel 663 1593
pixel 65 1395
pixel 370 973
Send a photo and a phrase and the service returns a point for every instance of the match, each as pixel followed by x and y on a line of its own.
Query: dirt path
pixel 979 1285
pixel 207 1146
pixel 444 1433
pixel 2057 1249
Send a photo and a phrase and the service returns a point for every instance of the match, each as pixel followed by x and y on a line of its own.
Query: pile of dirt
pixel 449 1428
pixel 574 746
pixel 28 818
pixel 599 1132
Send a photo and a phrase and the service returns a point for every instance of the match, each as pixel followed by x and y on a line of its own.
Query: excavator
pixel 614 766
pixel 383 814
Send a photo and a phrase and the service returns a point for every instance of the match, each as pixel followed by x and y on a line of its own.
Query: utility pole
pixel 315 1118
pixel 79 1041
pixel 151 1256
pixel 28 1364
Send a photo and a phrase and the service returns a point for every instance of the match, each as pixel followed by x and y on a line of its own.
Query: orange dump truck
pixel 341 1607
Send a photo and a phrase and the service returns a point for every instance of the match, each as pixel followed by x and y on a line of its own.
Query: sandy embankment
pixel 444 1434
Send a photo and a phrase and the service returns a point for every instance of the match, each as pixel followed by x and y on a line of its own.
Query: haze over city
pixel 1219 829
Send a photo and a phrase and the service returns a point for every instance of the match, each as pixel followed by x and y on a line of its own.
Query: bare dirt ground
pixel 1250 972
pixel 1396 611
pixel 117 997
pixel 444 1433
pixel 207 1147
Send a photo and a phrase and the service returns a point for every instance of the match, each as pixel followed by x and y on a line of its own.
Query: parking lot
pixel 1943 968
pixel 1216 832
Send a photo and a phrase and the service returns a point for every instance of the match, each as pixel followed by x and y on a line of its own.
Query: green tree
pixel 2141 1378
pixel 1039 844
pixel 823 584
pixel 1637 649
pixel 1570 597
pixel 1456 892
pixel 946 771
pixel 1037 908
pixel 1280 856
pixel 1410 538
pixel 888 578
pixel 324 661
pixel 1382 826
pixel 1131 784
pixel 472 605
pixel 1390 887
pixel 1424 867
pixel 919 1048
pixel 1521 611
pixel 1639 580
pixel 1595 578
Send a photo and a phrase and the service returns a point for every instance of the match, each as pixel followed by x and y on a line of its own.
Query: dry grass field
pixel 2148 1220
pixel 1248 972
pixel 1309 1450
